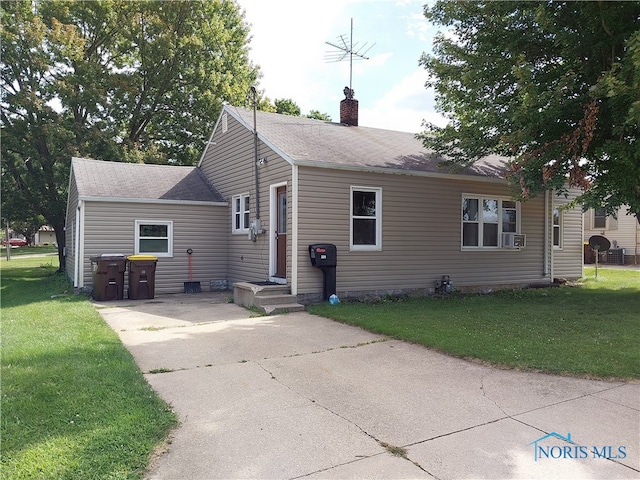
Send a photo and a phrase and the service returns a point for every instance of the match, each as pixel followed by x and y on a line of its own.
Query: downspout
pixel 255 151
pixel 546 260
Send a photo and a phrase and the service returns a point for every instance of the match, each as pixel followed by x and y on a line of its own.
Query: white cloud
pixel 403 107
pixel 289 45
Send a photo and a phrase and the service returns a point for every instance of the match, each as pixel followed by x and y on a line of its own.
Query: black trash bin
pixel 142 276
pixel 325 257
pixel 108 276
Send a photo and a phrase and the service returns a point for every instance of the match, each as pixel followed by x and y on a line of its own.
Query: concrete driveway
pixel 300 396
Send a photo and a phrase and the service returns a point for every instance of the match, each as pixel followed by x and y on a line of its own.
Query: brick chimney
pixel 349 108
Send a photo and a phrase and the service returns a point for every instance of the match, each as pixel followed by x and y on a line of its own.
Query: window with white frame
pixel 366 218
pixel 484 219
pixel 557 228
pixel 154 237
pixel 240 218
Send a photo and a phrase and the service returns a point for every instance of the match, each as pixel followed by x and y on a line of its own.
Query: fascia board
pixel 397 171
pixel 151 201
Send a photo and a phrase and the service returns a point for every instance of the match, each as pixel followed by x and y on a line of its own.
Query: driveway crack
pixel 484 394
pixel 330 349
pixel 391 449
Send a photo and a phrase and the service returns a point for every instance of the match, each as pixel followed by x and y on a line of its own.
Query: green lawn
pixel 74 403
pixel 590 330
pixel 20 251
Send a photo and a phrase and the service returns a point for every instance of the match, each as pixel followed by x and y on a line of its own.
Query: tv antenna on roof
pixel 346 48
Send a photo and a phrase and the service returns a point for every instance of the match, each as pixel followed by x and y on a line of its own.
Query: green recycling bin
pixel 108 276
pixel 142 276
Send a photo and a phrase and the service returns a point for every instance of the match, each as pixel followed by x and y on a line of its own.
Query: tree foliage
pixel 286 106
pixel 554 85
pixel 28 227
pixel 316 114
pixel 114 80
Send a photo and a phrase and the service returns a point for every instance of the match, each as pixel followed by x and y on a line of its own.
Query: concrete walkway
pixel 299 396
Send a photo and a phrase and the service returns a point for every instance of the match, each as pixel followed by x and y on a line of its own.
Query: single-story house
pixel 261 194
pixel 45 235
pixel 622 231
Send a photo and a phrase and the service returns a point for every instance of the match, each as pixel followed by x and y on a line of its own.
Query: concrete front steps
pixel 271 299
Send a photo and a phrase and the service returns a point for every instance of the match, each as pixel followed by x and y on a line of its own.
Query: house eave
pixel 152 201
pixel 398 171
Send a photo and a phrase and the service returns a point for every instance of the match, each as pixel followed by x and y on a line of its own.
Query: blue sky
pixel 289 43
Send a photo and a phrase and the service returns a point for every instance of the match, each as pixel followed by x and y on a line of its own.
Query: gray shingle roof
pixel 307 141
pixel 101 179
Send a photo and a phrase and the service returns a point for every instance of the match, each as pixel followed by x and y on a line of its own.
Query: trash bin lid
pixel 142 257
pixel 108 256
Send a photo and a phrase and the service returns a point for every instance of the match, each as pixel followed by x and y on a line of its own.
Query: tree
pixel 113 80
pixel 287 106
pixel 319 116
pixel 554 85
pixel 28 227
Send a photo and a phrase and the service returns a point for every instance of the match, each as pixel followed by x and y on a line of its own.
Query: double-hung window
pixel 485 219
pixel 240 217
pixel 599 218
pixel 366 218
pixel 601 221
pixel 557 228
pixel 154 237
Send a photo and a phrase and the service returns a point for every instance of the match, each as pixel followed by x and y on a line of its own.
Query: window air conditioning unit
pixel 514 240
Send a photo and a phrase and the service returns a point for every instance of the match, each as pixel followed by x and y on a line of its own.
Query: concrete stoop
pixel 271 299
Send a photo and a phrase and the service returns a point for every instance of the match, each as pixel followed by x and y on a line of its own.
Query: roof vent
pixel 224 123
pixel 349 108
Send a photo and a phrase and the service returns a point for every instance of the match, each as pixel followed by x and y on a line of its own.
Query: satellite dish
pixel 599 243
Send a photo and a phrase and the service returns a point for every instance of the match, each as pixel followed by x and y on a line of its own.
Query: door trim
pixel 273 218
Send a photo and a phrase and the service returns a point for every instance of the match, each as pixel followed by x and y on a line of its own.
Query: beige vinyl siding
pixel 72 205
pixel 625 231
pixel 567 261
pixel 109 227
pixel 421 234
pixel 229 166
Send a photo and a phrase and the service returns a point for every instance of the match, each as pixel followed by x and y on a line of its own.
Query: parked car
pixel 15 242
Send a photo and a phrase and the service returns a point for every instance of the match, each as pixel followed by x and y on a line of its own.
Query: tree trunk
pixel 61 242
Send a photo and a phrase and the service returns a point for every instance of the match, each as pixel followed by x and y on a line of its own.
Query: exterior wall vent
pixel 224 123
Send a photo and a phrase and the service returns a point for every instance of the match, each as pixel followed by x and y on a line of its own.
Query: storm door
pixel 281 232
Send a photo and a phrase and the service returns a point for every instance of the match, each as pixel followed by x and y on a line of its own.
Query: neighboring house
pixel 399 220
pixel 45 234
pixel 623 231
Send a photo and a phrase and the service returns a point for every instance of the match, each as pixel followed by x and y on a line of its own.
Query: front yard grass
pixel 74 403
pixel 28 250
pixel 590 330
